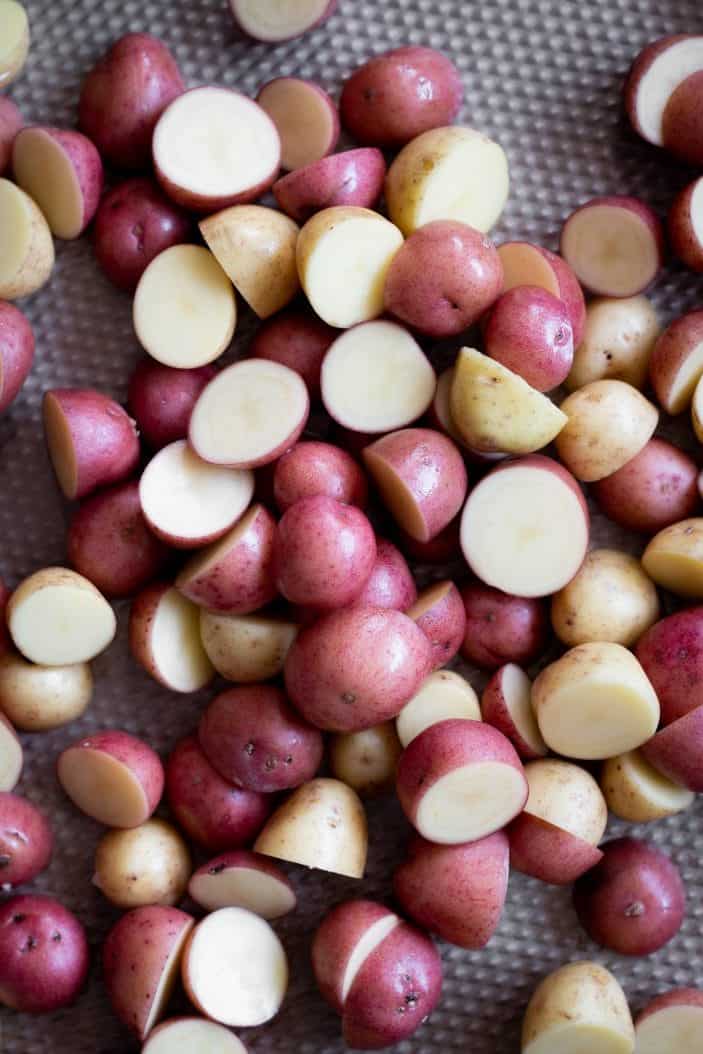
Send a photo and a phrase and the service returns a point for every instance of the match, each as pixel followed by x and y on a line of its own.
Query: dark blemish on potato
pixel 249 749
pixel 56 937
pixel 688 530
pixel 216 870
pixel 348 697
pixel 5 860
pixel 288 759
pixel 30 943
pixel 138 232
pixel 18 918
pixel 634 910
pixel 270 764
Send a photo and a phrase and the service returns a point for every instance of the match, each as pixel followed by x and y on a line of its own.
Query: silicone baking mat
pixel 543 77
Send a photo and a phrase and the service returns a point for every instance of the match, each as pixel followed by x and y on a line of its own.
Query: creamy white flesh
pixel 611 250
pixel 523 264
pixel 273 20
pixel 103 787
pixel 441 696
pixel 675 1030
pixel 243 887
pixel 193 1035
pixel 15 230
pixel 62 624
pixel 10 756
pixel 695 211
pixel 44 170
pixel 669 69
pixel 304 117
pixel 580 1038
pixel 376 378
pixel 176 648
pixel 470 802
pixel 372 937
pixel 14 40
pixel 685 381
pixel 516 688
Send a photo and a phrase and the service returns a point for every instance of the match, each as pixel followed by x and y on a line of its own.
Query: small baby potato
pixel 617 342
pixel 676 363
pixel 161 400
pixel 671 653
pixel 506 703
pixel 311 468
pixel 502 628
pixel 192 1034
pixel 674 558
pixel 39 698
pixel 246 648
pixel 677 750
pixel 26 842
pixel 636 792
pixel 146 865
pixel 529 331
pixel 391 583
pixel 367 760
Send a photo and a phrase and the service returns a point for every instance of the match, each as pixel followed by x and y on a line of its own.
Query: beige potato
pixel 26 246
pixel 610 599
pixel 608 424
pixel 595 702
pixel 495 409
pixel 636 792
pixel 617 342
pixel 149 864
pixel 674 558
pixel 39 698
pixel 321 825
pixel 366 761
pixel 255 247
pixel 443 695
pixel 14 41
pixel 246 648
pixel 577 1009
pixel 568 797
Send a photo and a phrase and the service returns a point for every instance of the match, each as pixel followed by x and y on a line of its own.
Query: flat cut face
pixel 471 802
pixel 274 20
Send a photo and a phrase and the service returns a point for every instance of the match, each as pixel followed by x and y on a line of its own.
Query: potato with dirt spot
pixel 144 865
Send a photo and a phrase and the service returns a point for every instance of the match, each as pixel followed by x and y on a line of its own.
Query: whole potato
pixel 529 331
pixel 502 628
pixel 26 841
pixel 16 351
pixel 671 654
pixel 39 698
pixel 312 468
pixel 144 865
pixel 617 342
pixel 161 400
pixel 367 760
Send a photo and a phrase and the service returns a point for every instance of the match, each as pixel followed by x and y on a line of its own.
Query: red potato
pixel 135 222
pixel 654 77
pixel 455 891
pixel 671 1022
pixel 235 574
pixel 422 479
pixel 633 901
pixel 243 880
pixel 671 654
pixel 192 1033
pixel 676 364
pixel 141 960
pixel 304 115
pixel 54 974
pixel 677 750
pixel 91 440
pixel 443 548
pixel 439 613
pixel 396 96
pixel 164 638
pixel 352 177
pixel 11 121
pixel 655 489
pixel 271 21
pixel 11 756
pixel 443 278
pixel 256 740
pixel 296 340
pixel 229 170
pixel 366 761
pixel 685 225
pixel 502 628
pixel 16 352
pixel 506 705
pixel 124 95
pixel 213 813
pixel 636 792
pixel 161 399
pixel 344 939
pixel 526 264
pixel 453 762
pixel 529 331
pixel 26 842
pixel 390 584
pixel 681 120
pixel 313 468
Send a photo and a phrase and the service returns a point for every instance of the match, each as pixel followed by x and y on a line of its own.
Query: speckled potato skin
pixel 351 177
pixel 677 750
pixel 16 350
pixel 26 841
pixel 143 762
pixel 367 760
pixel 549 853
pixel 671 654
pixel 85 161
pixel 334 941
pixel 617 343
pixel 390 584
pixel 502 628
pixel 298 340
pixel 312 468
pixel 443 622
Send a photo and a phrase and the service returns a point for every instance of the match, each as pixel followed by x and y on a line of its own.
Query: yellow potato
pixel 636 792
pixel 246 648
pixel 39 698
pixel 568 797
pixel 26 246
pixel 149 864
pixel 366 760
pixel 14 41
pixel 617 342
pixel 674 558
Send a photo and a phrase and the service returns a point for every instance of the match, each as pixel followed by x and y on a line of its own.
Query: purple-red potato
pixel 11 757
pixel 141 960
pixel 671 1022
pixel 502 628
pixel 677 750
pixel 192 1033
pixel 110 543
pixel 632 902
pixel 390 584
pixel 124 95
pixel 421 477
pixel 26 842
pixel 443 548
pixel 676 364
pixel 312 468
pixel 443 278
pixel 366 761
pixel 11 121
pixel 213 813
pixel 455 891
pixel 439 613
pixel 135 222
pixel 356 667
pixel 296 340
pixel 112 777
pixel 453 762
pixel 231 171
pixel 53 975
pixel 526 264
pixel 164 638
pixel 324 552
pixel 635 791
pixel 272 21
pixel 529 331
pixel 617 343
pixel 671 654
pixel 368 963
pixel 91 440
pixel 28 248
pixel 246 648
pixel 16 352
pixel 235 574
pixel 149 864
pixel 306 119
pixel 506 705
pixel 655 489
pixel 62 171
pixel 396 96
pixel 684 224
pixel 256 740
pixel 40 698
pixel 655 75
pixel 161 399
pixel 682 127
pixel 352 177
pixel 243 880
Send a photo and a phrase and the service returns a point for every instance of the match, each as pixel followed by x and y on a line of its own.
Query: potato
pixel 674 558
pixel 351 177
pixel 502 628
pixel 298 340
pixel 305 117
pixel 366 761
pixel 441 549
pixel 442 695
pixel 526 264
pixel 16 352
pixel 255 740
pixel 146 865
pixel 192 1033
pixel 683 224
pixel 356 667
pixel 272 22
pixel 312 468
pixel 11 755
pixel 390 584
pixel 669 1021
pixel 243 880
pixel 141 960
pixel 617 342
pixel 610 598
pixel 15 44
pixel 608 423
pixel 676 363
pixel 246 648
pixel 26 841
pixel 55 973
pixel 681 120
pixel 26 248
pixel 164 638
pixel 632 902
pixel 677 750
pixel 507 705
pixel 39 698
pixel 439 612
pixel 11 121
pixel 671 654
pixel 161 399
pixel 321 825
pixel 213 813
pixel 654 77
pixel 636 792
pixel 528 330
pixel 582 1005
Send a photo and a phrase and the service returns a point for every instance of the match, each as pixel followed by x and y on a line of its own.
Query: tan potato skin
pixel 674 558
pixel 617 343
pixel 246 648
pixel 149 864
pixel 367 760
pixel 630 784
pixel 39 698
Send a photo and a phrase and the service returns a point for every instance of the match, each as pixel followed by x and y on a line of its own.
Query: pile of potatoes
pixel 255 553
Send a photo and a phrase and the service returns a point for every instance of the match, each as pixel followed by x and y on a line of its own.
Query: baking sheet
pixel 542 76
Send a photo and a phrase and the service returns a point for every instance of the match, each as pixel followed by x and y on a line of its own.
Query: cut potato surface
pixel 306 119
pixel 370 939
pixel 26 246
pixel 192 1035
pixel 11 756
pixel 103 787
pixel 636 792
pixel 177 652
pixel 470 802
pixel 184 309
pixel 274 20
pixel 241 886
pixel 671 1030
pixel 376 378
pixel 568 797
pixel 659 80
pixel 612 248
pixel 443 695
pixel 580 1038
pixel 235 969
pixel 43 167
pixel 524 264
pixel 674 558
pixel 14 40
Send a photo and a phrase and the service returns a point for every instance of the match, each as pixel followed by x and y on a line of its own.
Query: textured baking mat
pixel 543 77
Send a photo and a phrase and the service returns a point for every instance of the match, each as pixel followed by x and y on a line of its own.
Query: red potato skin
pixel 390 584
pixel 443 278
pixel 16 351
pixel 569 289
pixel 136 755
pixel 553 855
pixel 296 340
pixel 682 121
pixel 683 242
pixel 352 177
pixel 494 710
pixel 502 628
pixel 654 490
pixel 529 332
pixel 396 96
pixel 677 750
pixel 134 223
pixel 312 468
pixel 444 623
pixel 672 349
pixel 254 739
pixel 455 891
pixel 161 400
pixel 11 121
pixel 54 974
pixel 633 901
pixel 676 997
pixel 338 672
pixel 441 549
pixel 334 941
pixel 213 813
pixel 639 67
pixel 671 654
pixel 85 160
pixel 26 841
pixel 135 953
pixel 124 95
